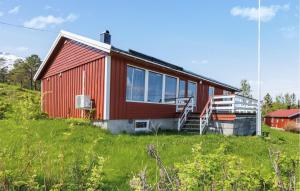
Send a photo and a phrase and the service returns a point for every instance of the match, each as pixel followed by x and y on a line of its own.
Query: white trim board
pixel 81 39
pixel 107 74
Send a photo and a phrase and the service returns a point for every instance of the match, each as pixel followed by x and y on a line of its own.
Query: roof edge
pixel 184 71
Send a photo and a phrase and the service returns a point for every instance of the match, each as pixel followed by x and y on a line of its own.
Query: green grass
pixel 125 154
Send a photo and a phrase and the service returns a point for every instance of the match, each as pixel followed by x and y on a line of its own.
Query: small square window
pixel 141 125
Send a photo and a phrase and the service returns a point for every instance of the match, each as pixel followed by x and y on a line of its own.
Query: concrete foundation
pixel 128 126
pixel 242 126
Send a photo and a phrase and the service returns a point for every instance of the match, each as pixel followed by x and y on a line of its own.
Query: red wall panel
pixel 70 55
pixel 63 81
pixel 121 109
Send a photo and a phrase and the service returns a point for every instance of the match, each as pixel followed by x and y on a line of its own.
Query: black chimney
pixel 105 37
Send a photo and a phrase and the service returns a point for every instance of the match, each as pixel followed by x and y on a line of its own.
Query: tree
pixel 287 100
pixel 267 104
pixel 23 72
pixel 31 66
pixel 293 99
pixel 3 70
pixel 279 99
pixel 16 75
pixel 246 88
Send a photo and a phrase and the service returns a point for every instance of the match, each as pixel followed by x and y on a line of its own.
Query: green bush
pixel 220 170
pixel 4 108
pixel 27 107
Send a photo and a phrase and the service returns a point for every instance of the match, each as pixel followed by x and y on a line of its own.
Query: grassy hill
pixel 54 150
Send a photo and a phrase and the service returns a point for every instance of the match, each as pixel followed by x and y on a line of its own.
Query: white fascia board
pixel 107 74
pixel 81 39
pixel 84 40
pixel 138 58
pixel 293 114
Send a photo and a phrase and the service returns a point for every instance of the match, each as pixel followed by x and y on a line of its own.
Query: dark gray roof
pixel 143 56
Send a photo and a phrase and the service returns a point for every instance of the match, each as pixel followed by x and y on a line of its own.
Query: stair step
pixel 193 117
pixel 191 125
pixel 197 120
pixel 190 129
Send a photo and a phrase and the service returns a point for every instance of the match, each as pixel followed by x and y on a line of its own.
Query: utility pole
pixel 258 120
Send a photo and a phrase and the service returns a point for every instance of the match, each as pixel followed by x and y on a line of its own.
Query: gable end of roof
pixel 78 38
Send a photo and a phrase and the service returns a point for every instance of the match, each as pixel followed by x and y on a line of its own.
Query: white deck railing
pixel 234 104
pixel 181 103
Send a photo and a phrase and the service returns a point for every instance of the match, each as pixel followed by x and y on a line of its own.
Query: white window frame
pixel 128 100
pixel 177 87
pixel 162 92
pixel 297 120
pixel 142 129
pixel 196 88
pixel 163 86
pixel 226 92
pixel 213 89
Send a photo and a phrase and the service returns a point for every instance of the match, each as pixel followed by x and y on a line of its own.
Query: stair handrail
pixel 205 114
pixel 189 106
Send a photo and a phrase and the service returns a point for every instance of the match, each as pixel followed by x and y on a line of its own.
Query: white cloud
pixel 41 22
pixel 71 17
pixel 266 13
pixel 1 14
pixel 289 32
pixel 15 10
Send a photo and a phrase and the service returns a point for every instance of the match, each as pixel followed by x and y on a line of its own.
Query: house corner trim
pixel 107 72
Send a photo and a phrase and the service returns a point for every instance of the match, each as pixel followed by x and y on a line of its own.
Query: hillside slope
pixel 16 102
pixel 53 151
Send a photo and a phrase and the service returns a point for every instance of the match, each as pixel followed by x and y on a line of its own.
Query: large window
pixel 211 91
pixel 155 81
pixel 192 89
pixel 143 85
pixel 170 89
pixel 135 87
pixel 181 88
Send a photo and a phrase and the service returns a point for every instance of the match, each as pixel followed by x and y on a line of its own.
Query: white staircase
pixel 194 121
pixel 186 110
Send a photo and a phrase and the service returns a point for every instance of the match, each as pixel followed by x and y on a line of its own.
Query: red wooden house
pixel 282 118
pixel 128 90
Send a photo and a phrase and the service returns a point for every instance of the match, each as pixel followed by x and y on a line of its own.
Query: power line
pixel 23 27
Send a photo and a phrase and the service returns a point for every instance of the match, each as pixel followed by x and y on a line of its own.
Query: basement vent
pixel 83 102
pixel 141 125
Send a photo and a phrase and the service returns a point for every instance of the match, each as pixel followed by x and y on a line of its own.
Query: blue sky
pixel 213 38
